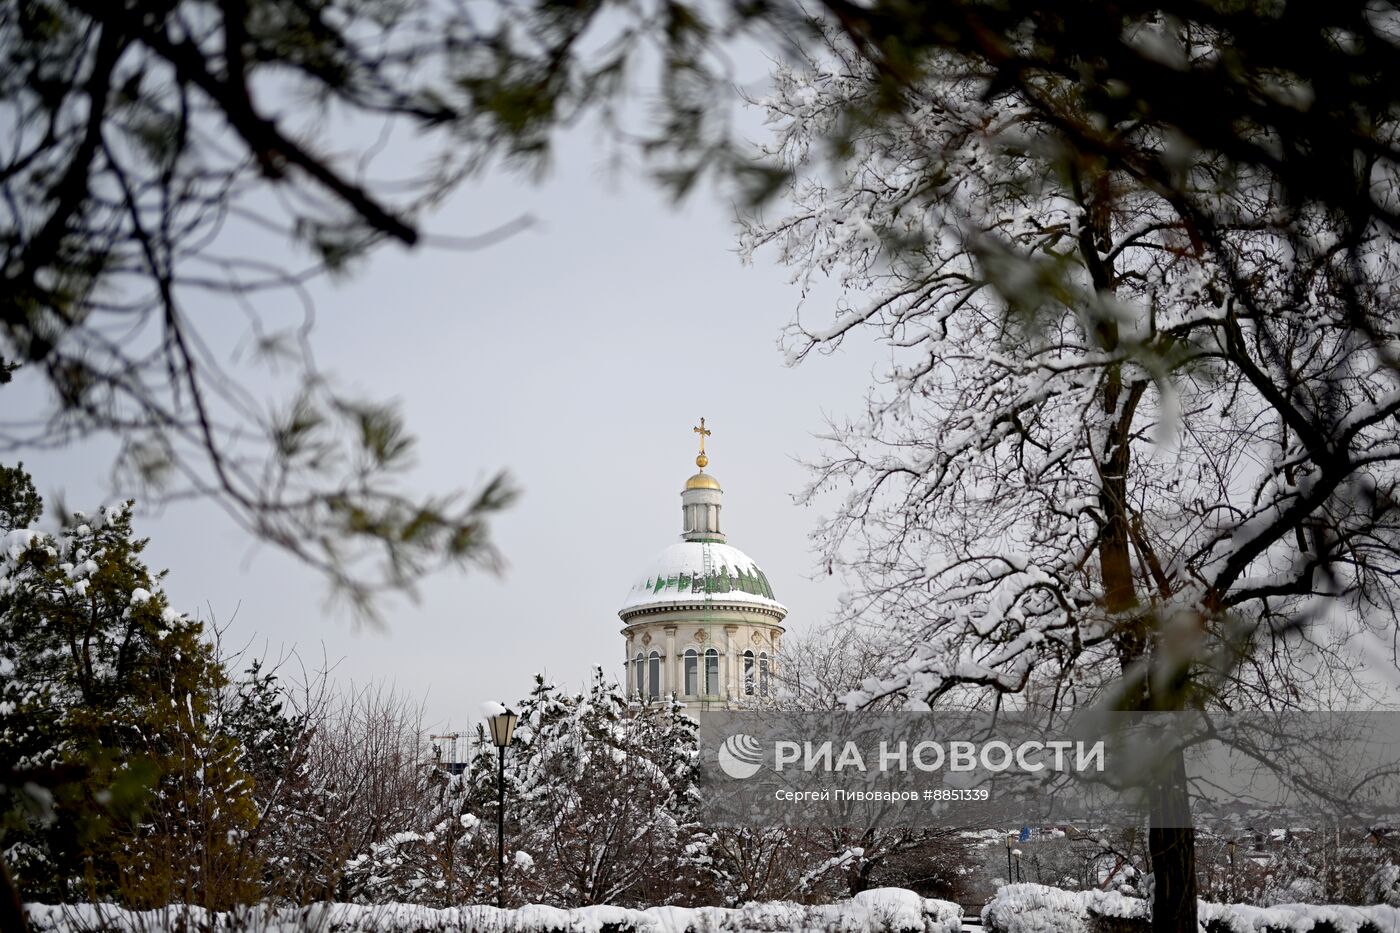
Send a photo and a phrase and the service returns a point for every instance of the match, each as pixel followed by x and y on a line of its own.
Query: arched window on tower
pixel 763 673
pixel 654 675
pixel 692 672
pixel 637 668
pixel 712 672
pixel 748 673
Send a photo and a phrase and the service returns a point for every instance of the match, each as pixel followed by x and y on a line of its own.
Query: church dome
pixel 700 621
pixel 685 575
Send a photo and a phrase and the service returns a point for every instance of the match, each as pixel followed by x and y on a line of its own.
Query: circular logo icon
pixel 740 756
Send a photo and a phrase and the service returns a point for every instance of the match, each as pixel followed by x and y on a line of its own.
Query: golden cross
pixel 703 434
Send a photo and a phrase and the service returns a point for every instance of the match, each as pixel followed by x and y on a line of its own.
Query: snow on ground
pixel 884 910
pixel 1036 908
pixel 1017 908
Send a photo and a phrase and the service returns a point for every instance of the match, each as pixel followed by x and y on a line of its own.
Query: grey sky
pixel 577 356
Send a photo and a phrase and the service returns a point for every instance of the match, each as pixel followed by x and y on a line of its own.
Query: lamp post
pixel 502 730
pixel 1010 843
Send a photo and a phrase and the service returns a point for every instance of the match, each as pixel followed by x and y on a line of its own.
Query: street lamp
pixel 502 727
pixel 1010 844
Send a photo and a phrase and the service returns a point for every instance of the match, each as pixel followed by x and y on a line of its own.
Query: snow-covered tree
pixel 1116 458
pixel 762 862
pixel 450 859
pixel 123 785
pixel 1336 865
pixel 275 729
pixel 599 801
pixel 602 793
pixel 819 670
pixel 1383 887
pixel 368 767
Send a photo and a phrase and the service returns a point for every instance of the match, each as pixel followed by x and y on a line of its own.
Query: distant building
pixel 701 621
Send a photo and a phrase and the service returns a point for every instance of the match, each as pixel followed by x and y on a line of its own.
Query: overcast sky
pixel 577 356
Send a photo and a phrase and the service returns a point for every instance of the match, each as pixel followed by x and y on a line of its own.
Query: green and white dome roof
pixel 701 572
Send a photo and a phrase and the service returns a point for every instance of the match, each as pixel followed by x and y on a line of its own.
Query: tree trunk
pixel 1171 845
pixel 1171 841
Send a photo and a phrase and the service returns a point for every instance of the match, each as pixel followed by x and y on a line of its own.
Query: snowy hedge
pixel 1299 918
pixel 1035 908
pixel 885 910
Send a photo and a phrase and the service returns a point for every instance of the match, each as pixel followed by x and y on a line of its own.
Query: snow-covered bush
pixel 897 909
pixel 1034 908
pixel 886 910
pixel 1298 918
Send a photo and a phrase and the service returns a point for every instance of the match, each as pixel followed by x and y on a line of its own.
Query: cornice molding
pixel 666 609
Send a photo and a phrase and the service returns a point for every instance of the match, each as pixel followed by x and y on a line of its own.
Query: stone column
pixel 627 667
pixel 730 676
pixel 668 681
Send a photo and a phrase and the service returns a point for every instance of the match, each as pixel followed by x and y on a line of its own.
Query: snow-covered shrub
pixel 1038 908
pixel 886 910
pixel 1297 918
pixel 600 795
pixel 895 909
pixel 1034 908
pixel 1115 912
